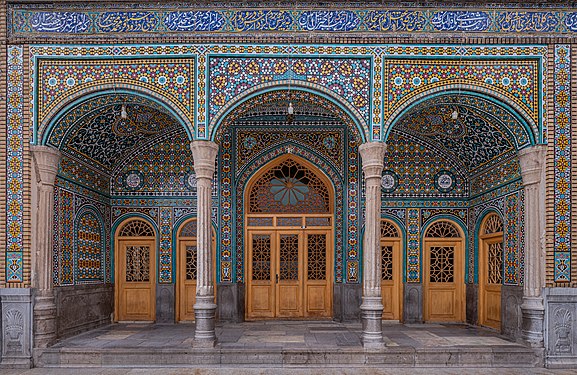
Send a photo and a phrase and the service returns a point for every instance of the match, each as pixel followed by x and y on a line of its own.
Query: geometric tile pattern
pixel 413 245
pixel 511 251
pixel 563 163
pixel 15 166
pixel 89 247
pixel 186 19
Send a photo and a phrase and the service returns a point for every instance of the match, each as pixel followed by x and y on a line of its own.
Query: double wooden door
pixel 288 274
pixel 491 272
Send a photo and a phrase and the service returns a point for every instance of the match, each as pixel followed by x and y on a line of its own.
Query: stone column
pixel 532 161
pixel 204 155
pixel 373 155
pixel 46 162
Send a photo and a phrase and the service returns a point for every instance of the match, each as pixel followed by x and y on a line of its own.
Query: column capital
pixel 47 161
pixel 204 156
pixel 373 156
pixel 532 160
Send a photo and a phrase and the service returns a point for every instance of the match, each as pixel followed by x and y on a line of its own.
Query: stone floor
pixel 289 344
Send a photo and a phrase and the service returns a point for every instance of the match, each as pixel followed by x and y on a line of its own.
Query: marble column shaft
pixel 204 155
pixel 46 163
pixel 532 161
pixel 372 155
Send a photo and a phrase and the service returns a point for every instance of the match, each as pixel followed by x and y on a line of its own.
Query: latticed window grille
pixel 494 224
pixel 138 263
pixel 388 229
pixel 289 187
pixel 442 229
pixel 387 263
pixel 137 228
pixel 317 257
pixel 495 263
pixel 189 229
pixel 191 262
pixel 289 221
pixel 318 221
pixel 261 257
pixel 442 267
pixel 289 257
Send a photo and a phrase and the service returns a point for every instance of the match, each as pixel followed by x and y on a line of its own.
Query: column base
pixel 44 319
pixel 16 342
pixel 372 320
pixel 533 312
pixel 204 320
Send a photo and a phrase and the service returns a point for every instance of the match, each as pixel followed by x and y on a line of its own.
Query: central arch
pixel 289 217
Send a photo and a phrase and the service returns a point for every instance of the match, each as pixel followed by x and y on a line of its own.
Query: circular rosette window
pixel 134 180
pixel 445 181
pixel 389 181
pixel 288 190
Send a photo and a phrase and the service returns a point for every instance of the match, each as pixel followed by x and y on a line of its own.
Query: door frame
pixel 459 271
pixel 153 240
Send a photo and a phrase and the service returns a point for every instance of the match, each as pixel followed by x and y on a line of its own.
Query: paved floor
pixel 285 335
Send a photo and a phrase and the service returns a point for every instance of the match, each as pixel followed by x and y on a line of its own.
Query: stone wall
pixel 83 307
pixel 561 327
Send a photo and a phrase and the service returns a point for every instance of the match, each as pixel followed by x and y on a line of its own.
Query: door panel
pixel 443 281
pixel 317 287
pixel 490 272
pixel 261 288
pixel 187 280
pixel 289 279
pixel 391 279
pixel 136 282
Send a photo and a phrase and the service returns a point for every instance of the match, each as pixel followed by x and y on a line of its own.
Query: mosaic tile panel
pixel 496 176
pixel 165 264
pixel 66 230
pixel 232 76
pixel 516 80
pixel 511 250
pixel 26 19
pixel 562 163
pixel 89 248
pixel 85 175
pixel 59 80
pixel 413 245
pixel 15 166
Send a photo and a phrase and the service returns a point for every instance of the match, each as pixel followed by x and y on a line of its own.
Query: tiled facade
pixel 454 117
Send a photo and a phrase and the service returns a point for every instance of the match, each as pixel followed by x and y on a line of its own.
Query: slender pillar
pixel 373 155
pixel 532 161
pixel 204 155
pixel 46 162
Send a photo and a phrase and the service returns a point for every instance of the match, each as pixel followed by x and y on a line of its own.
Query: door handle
pixel 277 278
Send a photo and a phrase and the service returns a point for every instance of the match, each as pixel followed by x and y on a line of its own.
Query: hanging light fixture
pixel 123 113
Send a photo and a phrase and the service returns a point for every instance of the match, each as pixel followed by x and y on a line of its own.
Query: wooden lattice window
pixel 386 263
pixel 388 230
pixel 191 262
pixel 317 257
pixel 493 224
pixel 261 257
pixel 137 228
pixel 137 263
pixel 495 263
pixel 289 257
pixel 442 267
pixel 289 187
pixel 189 229
pixel 442 229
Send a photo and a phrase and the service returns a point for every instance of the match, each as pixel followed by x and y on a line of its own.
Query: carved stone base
pixel 413 303
pixel 204 320
pixel 16 327
pixel 371 318
pixel 532 325
pixel 561 327
pixel 44 319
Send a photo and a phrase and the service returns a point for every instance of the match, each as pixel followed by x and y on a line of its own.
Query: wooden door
pixel 491 272
pixel 317 271
pixel 444 275
pixel 187 271
pixel 288 261
pixel 135 280
pixel 391 271
pixel 261 275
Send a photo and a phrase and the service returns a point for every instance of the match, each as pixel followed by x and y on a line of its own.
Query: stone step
pixel 510 356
